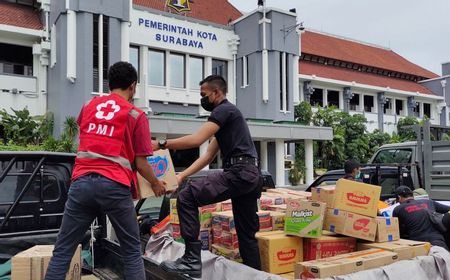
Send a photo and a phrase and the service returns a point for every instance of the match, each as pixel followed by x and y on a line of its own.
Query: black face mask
pixel 208 106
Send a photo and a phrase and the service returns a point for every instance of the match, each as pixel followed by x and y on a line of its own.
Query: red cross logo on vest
pixel 107 110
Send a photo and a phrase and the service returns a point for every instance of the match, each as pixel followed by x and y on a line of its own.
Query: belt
pixel 242 160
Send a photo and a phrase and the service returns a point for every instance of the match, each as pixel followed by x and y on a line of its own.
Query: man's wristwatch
pixel 162 144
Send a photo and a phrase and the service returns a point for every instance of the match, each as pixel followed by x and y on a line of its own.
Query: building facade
pixel 361 78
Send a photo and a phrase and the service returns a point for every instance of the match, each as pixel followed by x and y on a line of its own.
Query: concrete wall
pixel 249 98
pixel 64 97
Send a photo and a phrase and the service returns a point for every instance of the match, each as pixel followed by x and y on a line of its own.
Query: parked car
pixel 388 177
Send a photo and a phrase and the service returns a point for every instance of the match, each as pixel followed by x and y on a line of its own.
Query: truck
pixel 427 158
pixel 33 192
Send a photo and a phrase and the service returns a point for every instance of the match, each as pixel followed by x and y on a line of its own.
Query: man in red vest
pixel 114 144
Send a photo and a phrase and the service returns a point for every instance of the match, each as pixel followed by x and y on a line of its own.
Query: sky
pixel 418 30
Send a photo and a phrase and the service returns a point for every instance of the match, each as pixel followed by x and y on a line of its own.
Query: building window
pixel 101 53
pixel 369 104
pixel 177 70
pixel 33 3
pixel 16 60
pixel 195 72
pixel 399 107
pixel 354 103
pixel 333 98
pixel 316 98
pixel 416 110
pixel 427 110
pixel 388 107
pixel 134 59
pixel 244 71
pixel 219 67
pixel 156 68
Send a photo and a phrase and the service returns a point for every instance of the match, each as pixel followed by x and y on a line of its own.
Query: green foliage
pixel 303 113
pixel 406 134
pixel 23 132
pixel 377 139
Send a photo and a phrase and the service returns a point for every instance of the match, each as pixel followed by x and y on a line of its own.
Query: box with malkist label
pixel 304 218
pixel 162 165
pixel 356 197
pixel 32 264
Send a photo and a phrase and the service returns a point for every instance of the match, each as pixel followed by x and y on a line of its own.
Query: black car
pixel 388 177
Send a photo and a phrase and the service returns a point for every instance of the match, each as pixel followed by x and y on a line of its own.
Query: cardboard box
pixel 334 220
pixel 227 253
pixel 162 165
pixel 279 252
pixel 304 218
pixel 265 221
pixel 205 238
pixel 344 264
pixel 173 211
pixel 223 221
pixel 327 246
pixel 267 200
pixel 204 213
pixel 228 240
pixel 227 205
pixel 32 264
pixel 360 226
pixel 277 208
pixel 289 275
pixel 387 229
pixel 357 197
pixel 277 220
pixel 324 194
pixel 406 249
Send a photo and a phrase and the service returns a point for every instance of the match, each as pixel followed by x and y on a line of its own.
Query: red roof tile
pixel 216 11
pixel 19 15
pixel 343 74
pixel 350 51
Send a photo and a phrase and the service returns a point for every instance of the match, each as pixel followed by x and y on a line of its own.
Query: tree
pixel 303 113
pixel 377 139
pixel 406 134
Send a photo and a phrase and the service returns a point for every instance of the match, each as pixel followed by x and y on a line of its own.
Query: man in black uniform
pixel 415 224
pixel 240 179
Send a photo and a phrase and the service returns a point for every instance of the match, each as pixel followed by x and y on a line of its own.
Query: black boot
pixel 190 263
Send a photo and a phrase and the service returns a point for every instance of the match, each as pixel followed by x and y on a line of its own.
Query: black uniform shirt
pixel 233 136
pixel 414 221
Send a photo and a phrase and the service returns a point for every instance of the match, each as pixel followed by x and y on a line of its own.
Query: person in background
pixel 414 220
pixel 114 143
pixel 352 170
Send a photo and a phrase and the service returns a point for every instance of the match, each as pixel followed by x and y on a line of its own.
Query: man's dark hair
pixel 121 75
pixel 216 81
pixel 350 165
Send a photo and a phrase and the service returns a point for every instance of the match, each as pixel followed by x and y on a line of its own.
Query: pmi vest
pixel 105 120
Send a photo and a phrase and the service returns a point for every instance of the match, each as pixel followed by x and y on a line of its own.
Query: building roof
pixel 330 46
pixel 216 11
pixel 19 15
pixel 348 75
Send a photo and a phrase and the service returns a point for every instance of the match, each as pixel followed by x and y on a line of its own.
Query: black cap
pixel 403 191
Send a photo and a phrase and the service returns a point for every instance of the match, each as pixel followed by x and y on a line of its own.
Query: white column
pixel 71 71
pixel 125 42
pixel 309 162
pixel 295 83
pixel 325 97
pixel 279 162
pixel 208 71
pixel 231 80
pixel 202 150
pixel 265 76
pixel 263 152
pixel 341 100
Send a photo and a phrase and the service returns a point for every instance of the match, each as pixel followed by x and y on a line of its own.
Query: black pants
pixel 242 183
